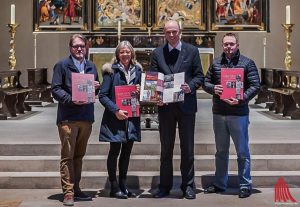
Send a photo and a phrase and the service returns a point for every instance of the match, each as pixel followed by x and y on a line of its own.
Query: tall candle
pixel 119 28
pixel 180 24
pixel 12 14
pixel 264 54
pixel 288 14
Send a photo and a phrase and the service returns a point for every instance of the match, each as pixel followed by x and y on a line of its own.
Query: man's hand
pixel 218 89
pixel 232 101
pixel 185 88
pixel 121 115
pixel 80 102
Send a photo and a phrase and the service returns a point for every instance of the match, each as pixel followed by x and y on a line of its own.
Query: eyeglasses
pixel 229 44
pixel 78 46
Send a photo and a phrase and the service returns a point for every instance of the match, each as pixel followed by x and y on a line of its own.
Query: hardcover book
pixel 83 89
pixel 156 86
pixel 127 99
pixel 232 80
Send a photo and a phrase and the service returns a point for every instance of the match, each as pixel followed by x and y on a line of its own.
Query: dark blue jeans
pixel 235 127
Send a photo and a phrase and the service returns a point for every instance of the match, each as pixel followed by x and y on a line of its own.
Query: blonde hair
pixel 120 46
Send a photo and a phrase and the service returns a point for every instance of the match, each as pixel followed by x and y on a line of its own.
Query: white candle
pixel 288 14
pixel 180 24
pixel 119 28
pixel 264 52
pixel 12 14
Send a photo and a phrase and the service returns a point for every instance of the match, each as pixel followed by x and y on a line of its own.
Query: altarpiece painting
pixel 107 13
pixel 60 15
pixel 249 15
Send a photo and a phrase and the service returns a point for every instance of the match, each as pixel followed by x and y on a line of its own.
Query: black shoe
pixel 244 193
pixel 118 194
pixel 213 189
pixel 128 192
pixel 161 193
pixel 125 190
pixel 189 193
pixel 81 196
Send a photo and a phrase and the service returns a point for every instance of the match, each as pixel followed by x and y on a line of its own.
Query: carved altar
pixel 102 49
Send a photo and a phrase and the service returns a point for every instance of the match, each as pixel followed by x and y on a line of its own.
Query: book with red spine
pixel 232 80
pixel 83 89
pixel 127 99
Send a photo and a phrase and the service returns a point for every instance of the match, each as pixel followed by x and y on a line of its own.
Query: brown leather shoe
pixel 68 200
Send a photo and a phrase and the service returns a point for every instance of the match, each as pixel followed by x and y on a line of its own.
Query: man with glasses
pixel 231 116
pixel 174 57
pixel 74 119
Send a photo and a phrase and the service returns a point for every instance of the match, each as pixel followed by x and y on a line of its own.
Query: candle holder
pixel 288 54
pixel 12 61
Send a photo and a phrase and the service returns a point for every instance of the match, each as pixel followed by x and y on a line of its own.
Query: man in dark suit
pixel 174 57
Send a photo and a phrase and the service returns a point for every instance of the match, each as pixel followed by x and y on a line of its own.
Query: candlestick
pixel 288 14
pixel 265 44
pixel 12 58
pixel 35 50
pixel 12 14
pixel 288 53
pixel 119 31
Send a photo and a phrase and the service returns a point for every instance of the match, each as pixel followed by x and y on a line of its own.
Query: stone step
pixel 138 180
pixel 201 148
pixel 146 163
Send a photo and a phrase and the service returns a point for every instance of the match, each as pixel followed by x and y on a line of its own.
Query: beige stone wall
pixel 52 47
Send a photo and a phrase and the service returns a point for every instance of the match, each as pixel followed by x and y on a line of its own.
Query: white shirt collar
pixel 79 65
pixel 178 46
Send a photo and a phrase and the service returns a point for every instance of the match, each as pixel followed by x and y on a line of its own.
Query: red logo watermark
pixel 282 194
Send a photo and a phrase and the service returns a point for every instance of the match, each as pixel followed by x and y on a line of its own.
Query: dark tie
pixel 173 56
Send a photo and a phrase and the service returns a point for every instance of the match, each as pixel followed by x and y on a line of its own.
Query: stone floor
pixel 39 127
pixel 262 197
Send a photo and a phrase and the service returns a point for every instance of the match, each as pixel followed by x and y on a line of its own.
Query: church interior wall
pixel 53 46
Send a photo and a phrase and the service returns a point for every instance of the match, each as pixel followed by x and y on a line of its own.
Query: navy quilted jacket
pixel 251 83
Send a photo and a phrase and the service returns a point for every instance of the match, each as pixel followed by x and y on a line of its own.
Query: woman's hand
pixel 121 115
pixel 138 89
pixel 97 84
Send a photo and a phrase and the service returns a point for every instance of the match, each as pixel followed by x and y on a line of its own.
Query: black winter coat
pixel 251 83
pixel 112 129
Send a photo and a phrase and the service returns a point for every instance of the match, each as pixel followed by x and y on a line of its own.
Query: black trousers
pixel 169 116
pixel 114 152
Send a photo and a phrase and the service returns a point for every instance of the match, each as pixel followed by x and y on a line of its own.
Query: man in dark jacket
pixel 174 57
pixel 231 116
pixel 74 119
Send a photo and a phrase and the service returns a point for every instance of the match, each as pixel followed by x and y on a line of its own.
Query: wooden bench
pixel 286 97
pixel 41 89
pixel 12 94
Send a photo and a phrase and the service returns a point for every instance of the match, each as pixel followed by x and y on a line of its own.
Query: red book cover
pixel 232 80
pixel 83 89
pixel 127 100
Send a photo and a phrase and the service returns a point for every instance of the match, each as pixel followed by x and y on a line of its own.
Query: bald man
pixel 174 57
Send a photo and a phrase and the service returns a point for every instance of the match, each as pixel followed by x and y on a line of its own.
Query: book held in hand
pixel 127 100
pixel 232 80
pixel 156 86
pixel 83 89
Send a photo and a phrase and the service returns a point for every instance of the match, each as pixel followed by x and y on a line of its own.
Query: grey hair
pixel 120 46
